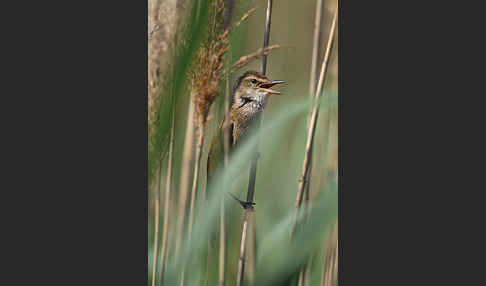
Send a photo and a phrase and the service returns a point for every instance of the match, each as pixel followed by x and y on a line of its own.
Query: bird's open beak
pixel 265 87
pixel 272 83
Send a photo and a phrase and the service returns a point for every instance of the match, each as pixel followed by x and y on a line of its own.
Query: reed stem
pixel 241 260
pixel 185 178
pixel 199 145
pixel 222 245
pixel 253 169
pixel 266 36
pixel 222 219
pixel 312 85
pixel 330 264
pixel 165 228
pixel 195 179
pixel 312 127
pixel 156 231
pixel 315 48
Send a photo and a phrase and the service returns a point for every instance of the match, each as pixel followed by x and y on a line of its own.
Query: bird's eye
pixel 254 81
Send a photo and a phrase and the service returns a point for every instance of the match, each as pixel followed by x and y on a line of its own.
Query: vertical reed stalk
pixel 250 250
pixel 300 281
pixel 312 81
pixel 195 180
pixel 312 85
pixel 156 231
pixel 165 228
pixel 241 260
pixel 187 157
pixel 222 245
pixel 307 273
pixel 253 169
pixel 229 4
pixel 315 48
pixel 266 36
pixel 185 177
pixel 312 127
pixel 330 265
pixel 222 219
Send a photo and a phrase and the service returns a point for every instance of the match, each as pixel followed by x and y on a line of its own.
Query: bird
pixel 249 98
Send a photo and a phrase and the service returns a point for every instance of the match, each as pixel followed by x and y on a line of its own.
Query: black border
pixel 82 150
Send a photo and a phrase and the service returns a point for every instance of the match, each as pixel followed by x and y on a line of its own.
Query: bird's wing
pixel 216 152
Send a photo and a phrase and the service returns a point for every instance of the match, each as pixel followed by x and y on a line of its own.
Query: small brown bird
pixel 250 96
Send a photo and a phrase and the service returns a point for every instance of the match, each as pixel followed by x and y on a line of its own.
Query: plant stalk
pixel 165 229
pixel 156 231
pixel 312 127
pixel 312 81
pixel 199 145
pixel 315 48
pixel 195 179
pixel 253 169
pixel 266 36
pixel 330 265
pixel 251 251
pixel 222 245
pixel 241 260
pixel 222 219
pixel 185 178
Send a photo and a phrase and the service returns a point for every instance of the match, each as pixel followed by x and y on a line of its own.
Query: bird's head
pixel 252 90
